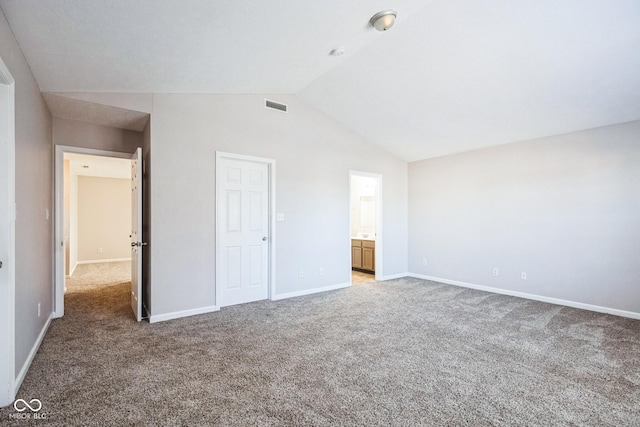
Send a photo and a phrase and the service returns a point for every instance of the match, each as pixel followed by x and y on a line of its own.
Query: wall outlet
pixel 280 217
pixel 523 275
pixel 38 309
pixel 424 261
pixel 46 214
pixel 99 250
pixel 301 274
pixel 321 271
pixel 496 272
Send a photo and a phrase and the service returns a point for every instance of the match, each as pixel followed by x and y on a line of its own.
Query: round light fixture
pixel 384 20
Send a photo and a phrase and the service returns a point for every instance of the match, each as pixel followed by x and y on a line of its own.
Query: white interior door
pixel 136 234
pixel 242 199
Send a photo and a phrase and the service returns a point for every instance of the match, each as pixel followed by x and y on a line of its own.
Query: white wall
pixel 363 195
pixel 34 232
pixel 73 222
pixel 314 155
pixel 88 135
pixel 563 209
pixel 104 218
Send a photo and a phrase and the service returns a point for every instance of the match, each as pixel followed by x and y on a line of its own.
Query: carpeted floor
pixel 404 352
pixel 88 276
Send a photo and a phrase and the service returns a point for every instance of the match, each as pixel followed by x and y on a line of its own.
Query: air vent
pixel 275 105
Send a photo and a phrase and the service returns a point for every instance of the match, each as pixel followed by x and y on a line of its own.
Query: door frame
pixel 8 296
pixel 271 265
pixel 379 242
pixel 58 242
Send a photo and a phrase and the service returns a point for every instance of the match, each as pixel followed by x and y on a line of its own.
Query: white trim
pixel 574 304
pixel 8 296
pixel 102 261
pixel 310 291
pixel 393 276
pixel 184 313
pixel 32 354
pixel 379 273
pixel 58 252
pixel 271 164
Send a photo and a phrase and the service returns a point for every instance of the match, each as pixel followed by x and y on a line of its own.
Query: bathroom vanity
pixel 363 255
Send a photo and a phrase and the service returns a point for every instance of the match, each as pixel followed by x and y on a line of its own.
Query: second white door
pixel 243 230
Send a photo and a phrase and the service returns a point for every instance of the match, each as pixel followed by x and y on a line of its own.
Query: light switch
pixel 280 217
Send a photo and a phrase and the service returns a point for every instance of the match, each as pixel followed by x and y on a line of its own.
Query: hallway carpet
pixel 404 352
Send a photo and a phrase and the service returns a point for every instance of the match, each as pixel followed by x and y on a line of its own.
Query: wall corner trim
pixel 310 291
pixel 557 301
pixel 32 354
pixel 184 313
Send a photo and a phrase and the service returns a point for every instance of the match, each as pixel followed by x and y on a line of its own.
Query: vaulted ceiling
pixel 450 76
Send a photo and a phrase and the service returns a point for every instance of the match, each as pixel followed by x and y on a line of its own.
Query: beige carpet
pixel 88 276
pixel 404 352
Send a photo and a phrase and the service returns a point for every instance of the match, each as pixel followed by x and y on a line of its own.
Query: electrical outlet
pixel 496 272
pixel 301 274
pixel 424 261
pixel 38 309
pixel 46 214
pixel 321 271
pixel 99 250
pixel 280 217
pixel 523 275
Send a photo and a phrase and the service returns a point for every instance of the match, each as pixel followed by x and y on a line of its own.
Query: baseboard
pixel 310 291
pixel 583 306
pixel 184 313
pixel 73 269
pixel 32 354
pixel 99 261
pixel 393 276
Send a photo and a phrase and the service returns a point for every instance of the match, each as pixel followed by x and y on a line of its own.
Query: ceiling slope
pixel 468 75
pixel 450 76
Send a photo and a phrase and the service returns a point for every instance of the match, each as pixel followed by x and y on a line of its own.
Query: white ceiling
pixel 91 112
pixel 451 76
pixel 98 166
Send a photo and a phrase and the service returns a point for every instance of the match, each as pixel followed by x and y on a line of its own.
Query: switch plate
pixel 321 271
pixel 424 261
pixel 38 309
pixel 496 272
pixel 301 274
pixel 523 275
pixel 280 217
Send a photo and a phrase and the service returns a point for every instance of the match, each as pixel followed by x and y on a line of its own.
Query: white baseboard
pixel 32 354
pixel 590 307
pixel 310 291
pixel 184 313
pixel 393 276
pixel 98 261
pixel 73 269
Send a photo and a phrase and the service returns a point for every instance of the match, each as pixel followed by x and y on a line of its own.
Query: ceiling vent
pixel 275 105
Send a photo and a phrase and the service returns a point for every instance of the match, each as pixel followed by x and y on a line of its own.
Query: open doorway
pixel 97 221
pixel 94 211
pixel 365 230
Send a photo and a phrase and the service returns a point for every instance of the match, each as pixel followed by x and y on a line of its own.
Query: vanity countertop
pixel 371 239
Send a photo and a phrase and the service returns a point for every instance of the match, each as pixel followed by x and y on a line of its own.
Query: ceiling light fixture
pixel 384 20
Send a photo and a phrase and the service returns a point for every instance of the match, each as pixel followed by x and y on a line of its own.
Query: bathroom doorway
pixel 365 230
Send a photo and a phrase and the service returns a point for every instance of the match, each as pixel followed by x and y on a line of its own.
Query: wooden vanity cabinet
pixel 363 255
